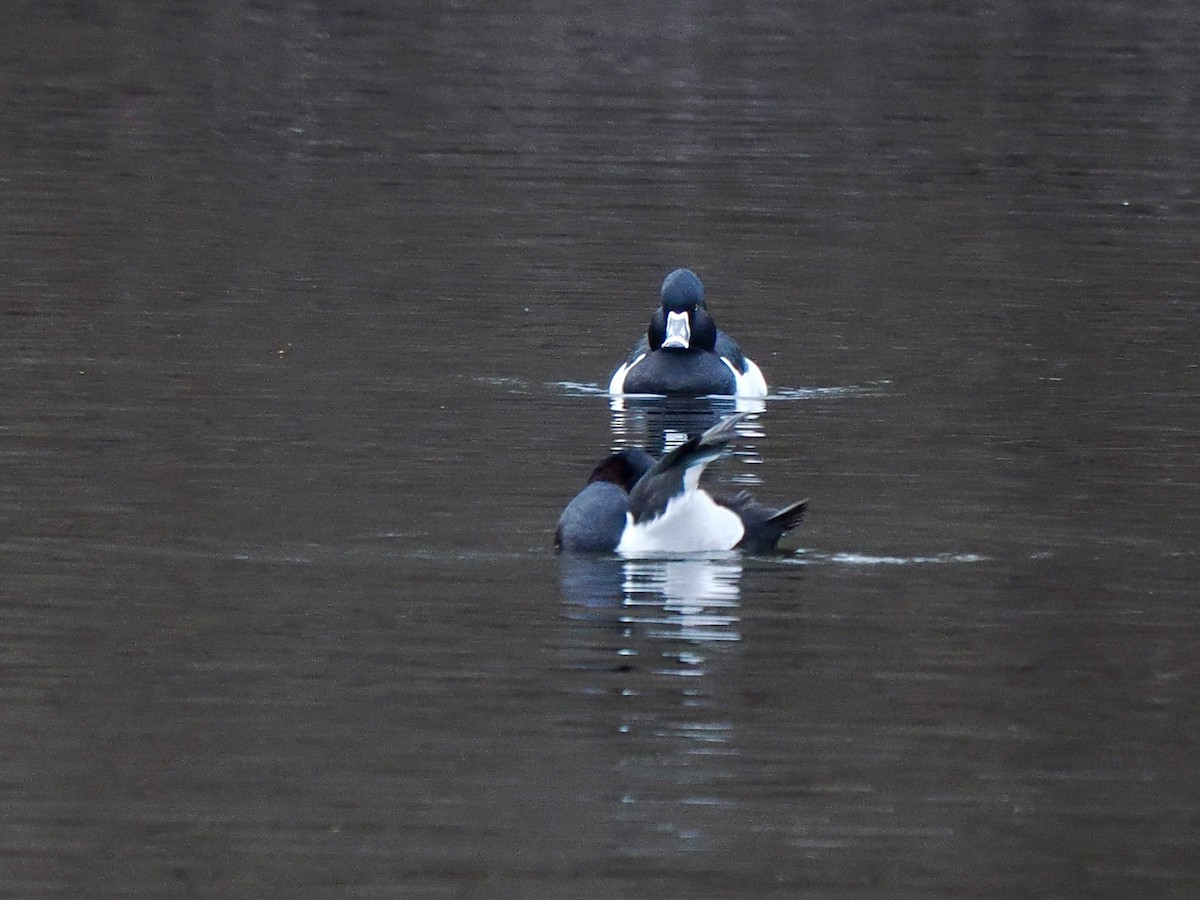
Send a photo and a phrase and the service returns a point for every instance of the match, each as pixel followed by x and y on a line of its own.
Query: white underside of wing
pixel 692 522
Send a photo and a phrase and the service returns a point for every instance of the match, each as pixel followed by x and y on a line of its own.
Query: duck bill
pixel 679 332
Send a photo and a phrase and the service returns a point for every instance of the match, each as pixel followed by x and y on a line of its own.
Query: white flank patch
pixel 617 384
pixel 692 522
pixel 750 384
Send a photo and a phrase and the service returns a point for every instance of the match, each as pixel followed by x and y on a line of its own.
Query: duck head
pixel 623 468
pixel 682 322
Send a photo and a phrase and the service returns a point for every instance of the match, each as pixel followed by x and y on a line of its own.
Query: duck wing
pixel 679 471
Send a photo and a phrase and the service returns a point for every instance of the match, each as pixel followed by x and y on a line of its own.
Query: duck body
pixel 684 353
pixel 677 373
pixel 664 509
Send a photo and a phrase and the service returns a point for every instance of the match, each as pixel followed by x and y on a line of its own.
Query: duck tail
pixel 763 526
pixel 789 517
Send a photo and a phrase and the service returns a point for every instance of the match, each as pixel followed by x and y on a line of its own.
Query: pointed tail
pixel 789 517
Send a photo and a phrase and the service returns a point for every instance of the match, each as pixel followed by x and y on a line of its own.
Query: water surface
pixel 305 317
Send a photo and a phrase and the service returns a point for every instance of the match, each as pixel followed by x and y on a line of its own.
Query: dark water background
pixel 303 309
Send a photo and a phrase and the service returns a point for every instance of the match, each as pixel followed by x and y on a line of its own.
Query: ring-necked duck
pixel 634 505
pixel 684 353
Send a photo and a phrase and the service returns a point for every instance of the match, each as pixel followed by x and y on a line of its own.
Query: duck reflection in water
pixel 653 649
pixel 687 599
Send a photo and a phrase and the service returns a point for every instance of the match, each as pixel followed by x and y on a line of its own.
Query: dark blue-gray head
pixel 682 291
pixel 682 321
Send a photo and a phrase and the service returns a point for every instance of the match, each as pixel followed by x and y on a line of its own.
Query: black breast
pixel 688 373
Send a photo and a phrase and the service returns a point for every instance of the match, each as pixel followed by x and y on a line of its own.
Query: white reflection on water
pixel 697 597
pixel 620 404
pixel 680 590
pixel 663 613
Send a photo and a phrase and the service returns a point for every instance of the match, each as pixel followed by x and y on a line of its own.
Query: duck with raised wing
pixel 635 506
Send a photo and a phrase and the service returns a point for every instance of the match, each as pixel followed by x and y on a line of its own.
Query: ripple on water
pixel 809 557
pixel 588 389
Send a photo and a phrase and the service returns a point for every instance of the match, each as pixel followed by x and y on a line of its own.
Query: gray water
pixel 305 310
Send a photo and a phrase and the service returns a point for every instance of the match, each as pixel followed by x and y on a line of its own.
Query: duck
pixel 684 353
pixel 634 505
